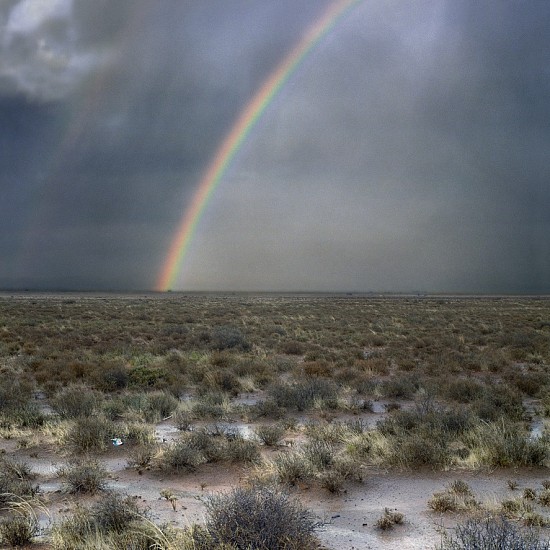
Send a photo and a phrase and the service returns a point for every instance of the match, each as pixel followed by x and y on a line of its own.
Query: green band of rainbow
pixel 240 130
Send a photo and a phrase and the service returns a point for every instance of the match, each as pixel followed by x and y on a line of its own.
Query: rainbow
pixel 239 132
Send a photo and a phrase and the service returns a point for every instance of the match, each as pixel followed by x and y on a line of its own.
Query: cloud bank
pixel 408 152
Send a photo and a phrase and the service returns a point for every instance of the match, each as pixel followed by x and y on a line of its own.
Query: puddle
pixel 247 399
pixel 537 428
pixel 167 433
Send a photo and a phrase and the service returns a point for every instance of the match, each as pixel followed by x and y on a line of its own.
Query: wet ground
pixel 348 518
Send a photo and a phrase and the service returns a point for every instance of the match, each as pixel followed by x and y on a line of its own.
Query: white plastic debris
pixel 117 442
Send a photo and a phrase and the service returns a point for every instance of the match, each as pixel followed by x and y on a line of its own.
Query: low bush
pixel 15 391
pixel 262 518
pixel 332 481
pixel 181 457
pixel 228 337
pixel 292 468
pixel 27 416
pixel 113 522
pixel 213 405
pixel 146 376
pixel 268 409
pixel 320 454
pixel 19 529
pixel 84 476
pixel 183 419
pixel 90 434
pixel 505 444
pixel 15 480
pixel 76 401
pixel 240 450
pixel 160 404
pixel 502 401
pixel 457 497
pixel 114 512
pixel 140 456
pixel 269 434
pixel 303 395
pixel 464 390
pixel 490 533
pixel 544 497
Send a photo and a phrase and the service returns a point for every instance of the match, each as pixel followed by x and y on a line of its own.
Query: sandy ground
pixel 348 518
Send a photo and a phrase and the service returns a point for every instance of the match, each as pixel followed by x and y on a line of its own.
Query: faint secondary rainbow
pixel 239 132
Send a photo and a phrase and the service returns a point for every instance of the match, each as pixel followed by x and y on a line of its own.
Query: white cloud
pixel 28 15
pixel 40 55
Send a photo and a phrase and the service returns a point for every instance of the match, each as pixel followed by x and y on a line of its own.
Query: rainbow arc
pixel 246 121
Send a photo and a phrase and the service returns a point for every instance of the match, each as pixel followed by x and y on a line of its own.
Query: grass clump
pixel 21 526
pixel 505 444
pixel 270 434
pixel 389 519
pixel 89 434
pixel 292 468
pixel 180 457
pixel 114 522
pixel 76 401
pixel 304 395
pixel 15 480
pixel 457 497
pixel 262 518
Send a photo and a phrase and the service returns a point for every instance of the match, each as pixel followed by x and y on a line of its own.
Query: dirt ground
pixel 348 519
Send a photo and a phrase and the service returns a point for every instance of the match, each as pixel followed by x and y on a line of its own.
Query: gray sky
pixel 410 151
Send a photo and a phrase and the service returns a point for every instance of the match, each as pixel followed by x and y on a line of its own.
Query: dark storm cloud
pixel 431 123
pixel 409 151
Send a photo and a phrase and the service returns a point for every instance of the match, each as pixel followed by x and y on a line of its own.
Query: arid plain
pixel 157 420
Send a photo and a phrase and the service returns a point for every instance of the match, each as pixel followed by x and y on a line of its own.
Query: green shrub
pixel 411 450
pixel 145 376
pixel 15 391
pixel 501 401
pixel 183 420
pixel 464 390
pixel 320 454
pixel 113 522
pixel 269 409
pixel 240 450
pixel 399 388
pixel 140 456
pixel 457 497
pixel 115 379
pixel 332 481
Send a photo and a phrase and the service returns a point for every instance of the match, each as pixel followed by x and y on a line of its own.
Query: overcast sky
pixel 410 151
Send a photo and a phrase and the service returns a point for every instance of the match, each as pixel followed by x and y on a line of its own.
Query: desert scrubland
pixel 204 421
